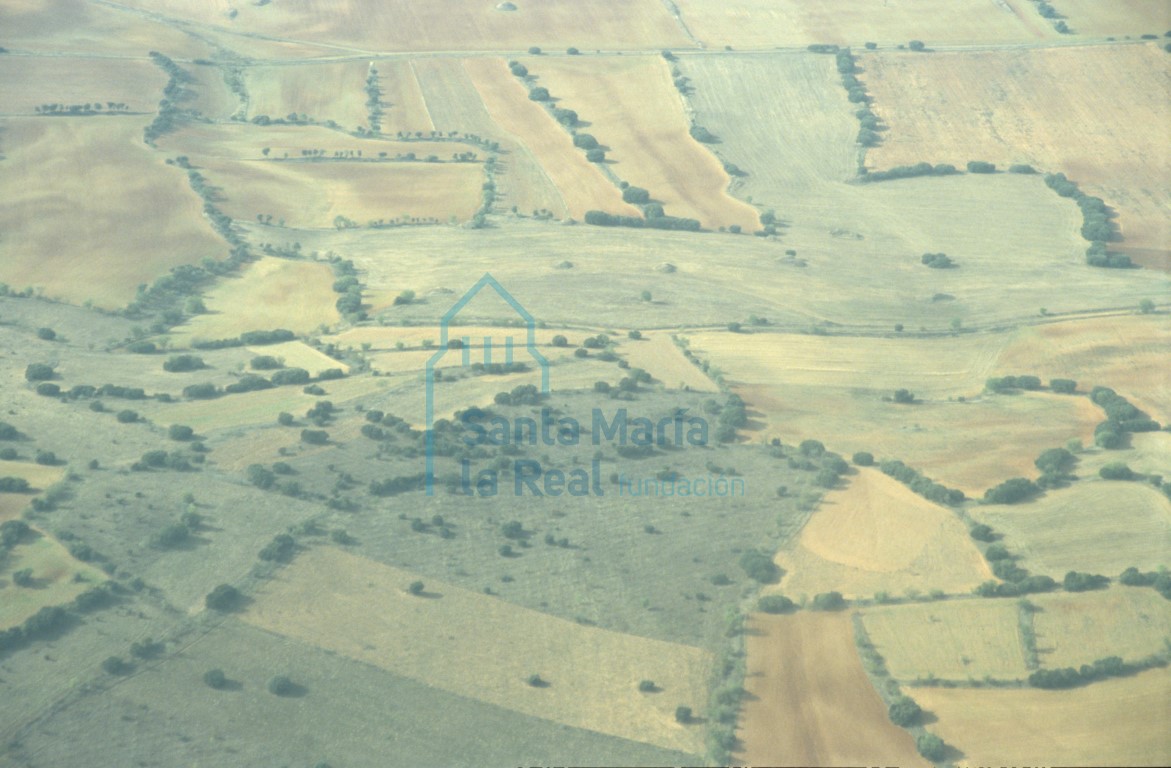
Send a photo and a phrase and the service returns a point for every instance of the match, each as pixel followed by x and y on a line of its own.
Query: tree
pixel 917 45
pixel 1146 306
pixel 647 686
pixel 1055 461
pixel 1063 386
pixel 905 712
pixel 416 588
pixel 180 432
pixel 828 601
pixel 1011 491
pixel 116 665
pixel 536 681
pixel 281 685
pixel 775 604
pixel 1116 470
pixel 931 746
pixel 183 363
pixel 46 334
pixel 904 396
pixel 127 416
pixel 314 436
pixel 223 598
pixel 585 141
pixel 596 155
pixel 863 458
pixel 540 93
pixel 215 678
pixel 759 566
pixel 979 166
pixel 636 195
pixel 38 372
pixel 683 714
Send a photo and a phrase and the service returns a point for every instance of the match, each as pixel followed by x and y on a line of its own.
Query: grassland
pixel 1091 113
pixel 270 293
pixel 877 536
pixel 322 91
pixel 592 674
pixel 765 24
pixel 1122 18
pixel 1068 529
pixel 953 640
pixel 633 109
pixel 142 221
pixel 57 578
pixel 810 701
pixel 1112 722
pixel 1121 621
pixel 581 185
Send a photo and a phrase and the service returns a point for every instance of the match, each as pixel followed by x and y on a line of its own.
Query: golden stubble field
pixel 951 640
pixel 321 91
pixel 1095 526
pixel 90 212
pixel 27 82
pixel 810 702
pixel 1112 722
pixel 485 648
pixel 875 535
pixel 632 108
pixel 1096 113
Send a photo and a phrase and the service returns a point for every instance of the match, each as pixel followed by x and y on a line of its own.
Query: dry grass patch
pixel 810 701
pixel 658 355
pixel 633 108
pixel 875 535
pixel 1122 17
pixel 953 640
pixel 39 478
pixel 298 354
pixel 96 235
pixel 1121 621
pixel 270 293
pixel 1113 722
pixel 1095 526
pixel 57 579
pixel 79 26
pixel 487 648
pixel 767 23
pixel 581 185
pixel 1093 113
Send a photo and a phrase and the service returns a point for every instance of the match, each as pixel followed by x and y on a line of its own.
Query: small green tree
pixel 683 714
pixel 905 712
pixel 215 678
pixel 416 588
pixel 931 746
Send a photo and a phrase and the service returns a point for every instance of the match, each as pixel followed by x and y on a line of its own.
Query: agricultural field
pixel 320 91
pixel 78 26
pixel 1066 529
pixel 789 379
pixel 401 99
pixel 364 27
pixel 1125 18
pixel 270 293
pixel 875 535
pixel 765 24
pixel 1111 722
pixel 659 355
pixel 146 223
pixel 592 674
pixel 1046 107
pixel 582 187
pixel 454 103
pixel 1072 630
pixel 28 82
pixel 951 640
pixel 1127 353
pixel 811 702
pixel 634 110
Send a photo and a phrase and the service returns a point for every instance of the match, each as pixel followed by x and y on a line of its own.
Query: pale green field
pixel 1131 622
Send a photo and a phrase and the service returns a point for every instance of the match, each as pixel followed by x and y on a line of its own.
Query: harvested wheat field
pixel 1067 529
pixel 128 218
pixel 769 23
pixel 1128 353
pixel 581 184
pixel 321 91
pixel 78 26
pixel 487 648
pixel 877 536
pixel 1092 113
pixel 269 293
pixel 952 640
pixel 810 702
pixel 1131 622
pixel 401 99
pixel 1112 722
pixel 1121 17
pixel 633 108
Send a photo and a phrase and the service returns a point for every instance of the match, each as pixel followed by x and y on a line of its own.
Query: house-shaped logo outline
pixel 444 324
